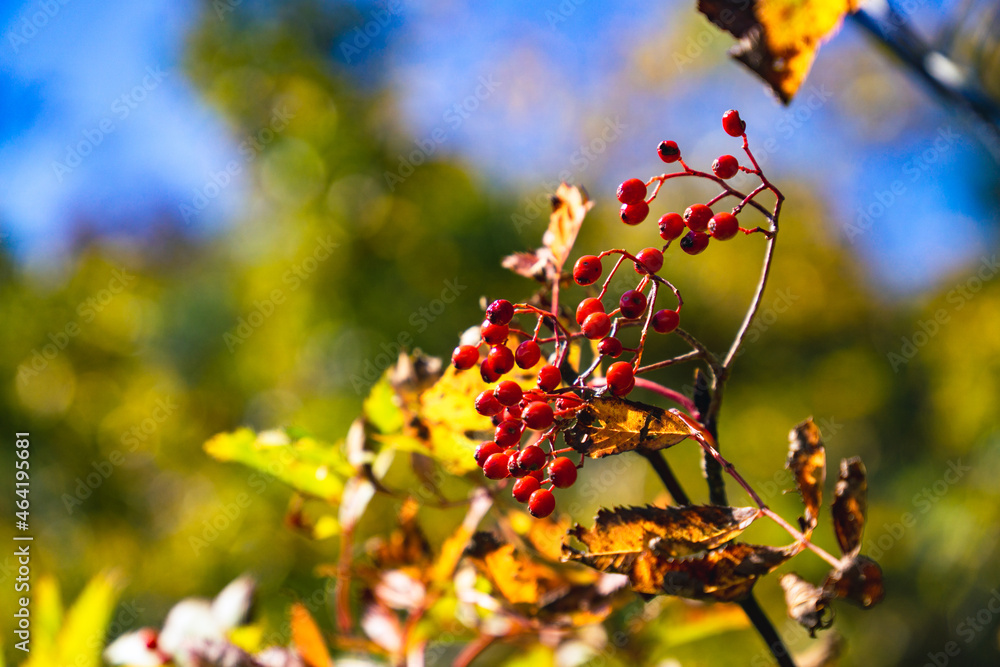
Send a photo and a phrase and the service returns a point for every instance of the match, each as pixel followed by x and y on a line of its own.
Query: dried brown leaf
pixel 807 604
pixel 807 461
pixel 850 505
pixel 569 207
pixel 609 425
pixel 860 582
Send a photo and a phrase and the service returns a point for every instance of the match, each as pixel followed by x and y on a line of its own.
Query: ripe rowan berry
pixel 527 354
pixel 723 226
pixel 733 124
pixel 633 214
pixel 496 466
pixel 508 433
pixel 465 357
pixel 596 326
pixel 631 191
pixel 725 166
pixel 586 307
pixel 494 334
pixel 696 217
pixel 668 151
pixel 610 347
pixel 632 304
pixel 532 457
pixel 665 321
pixel 508 392
pixel 488 372
pixel 549 377
pixel 485 450
pixel 562 472
pixel 501 358
pixel 620 378
pixel 524 487
pixel 587 270
pixel 500 311
pixel 651 258
pixel 671 226
pixel 694 243
pixel 541 503
pixel 538 416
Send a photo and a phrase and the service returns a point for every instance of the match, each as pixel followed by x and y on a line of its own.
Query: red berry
pixel 541 503
pixel 501 358
pixel 532 457
pixel 538 416
pixel 524 487
pixel 633 214
pixel 488 372
pixel 725 166
pixel 611 346
pixel 508 392
pixel 569 401
pixel 513 467
pixel 651 258
pixel 496 466
pixel 694 243
pixel 587 307
pixel 494 334
pixel 500 311
pixel 632 191
pixel 485 450
pixel 620 376
pixel 487 404
pixel 733 124
pixel 562 472
pixel 671 226
pixel 632 304
pixel 665 321
pixel 465 357
pixel 511 413
pixel 668 151
pixel 696 217
pixel 587 270
pixel 527 354
pixel 549 378
pixel 508 433
pixel 596 326
pixel 723 226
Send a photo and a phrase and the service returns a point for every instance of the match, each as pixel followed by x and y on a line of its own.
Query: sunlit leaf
pixel 86 620
pixel 850 505
pixel 806 603
pixel 807 461
pixel 778 39
pixel 569 206
pixel 609 425
pixel 307 465
pixel 859 581
pixel 307 638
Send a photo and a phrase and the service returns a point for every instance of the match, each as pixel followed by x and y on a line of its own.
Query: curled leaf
pixel 807 461
pixel 850 505
pixel 807 604
pixel 860 582
pixel 609 425
pixel 569 206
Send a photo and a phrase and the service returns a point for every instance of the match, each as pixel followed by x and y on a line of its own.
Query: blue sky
pixel 104 78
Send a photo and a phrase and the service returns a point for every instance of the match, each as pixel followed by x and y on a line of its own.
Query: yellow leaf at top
pixel 609 425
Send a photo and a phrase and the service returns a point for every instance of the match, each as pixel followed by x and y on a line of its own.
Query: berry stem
pixel 668 393
pixel 687 356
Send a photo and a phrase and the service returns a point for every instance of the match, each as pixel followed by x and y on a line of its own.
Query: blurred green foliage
pixel 125 362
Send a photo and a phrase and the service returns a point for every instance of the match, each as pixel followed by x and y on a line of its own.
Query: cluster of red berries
pixel 699 220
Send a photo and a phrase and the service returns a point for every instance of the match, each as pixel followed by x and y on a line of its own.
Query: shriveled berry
pixel 538 416
pixel 620 376
pixel 487 404
pixel 488 372
pixel 651 258
pixel 494 334
pixel 501 358
pixel 508 433
pixel 549 377
pixel 541 503
pixel 725 166
pixel 665 321
pixel 587 270
pixel 694 243
pixel 633 214
pixel 696 217
pixel 596 326
pixel 485 450
pixel 508 392
pixel 723 226
pixel 496 466
pixel 500 311
pixel 668 151
pixel 562 472
pixel 671 226
pixel 610 346
pixel 631 191
pixel 465 357
pixel 532 457
pixel 527 354
pixel 588 306
pixel 524 487
pixel 632 304
pixel 733 124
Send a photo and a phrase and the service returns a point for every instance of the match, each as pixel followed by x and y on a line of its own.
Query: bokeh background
pixel 168 169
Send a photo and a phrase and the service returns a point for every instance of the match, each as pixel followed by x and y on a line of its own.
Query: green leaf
pixel 307 465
